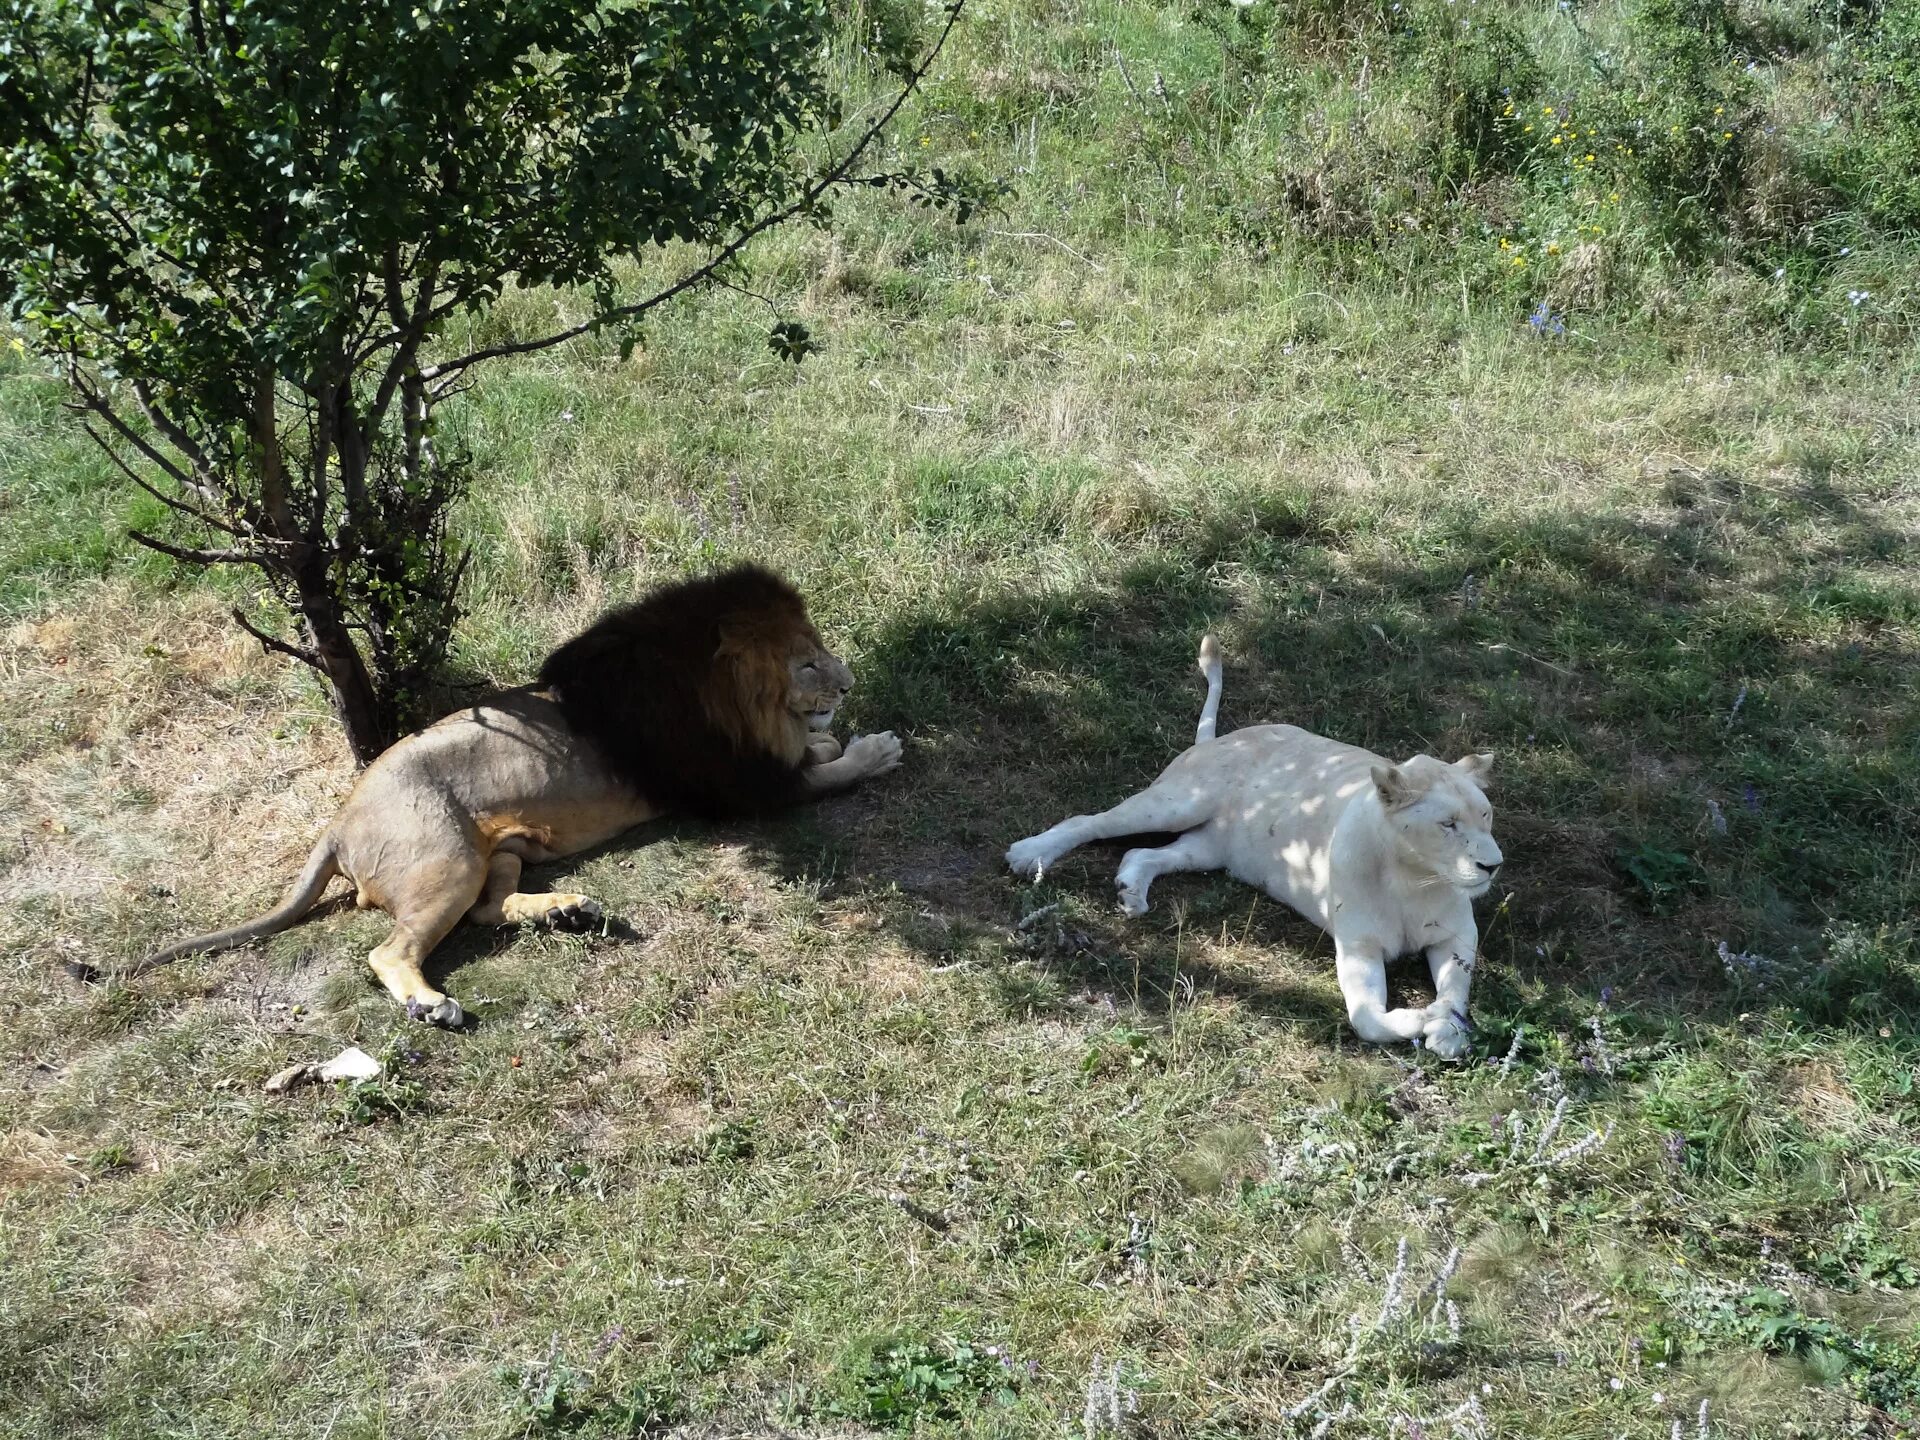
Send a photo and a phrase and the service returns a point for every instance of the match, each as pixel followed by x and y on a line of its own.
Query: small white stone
pixel 352 1063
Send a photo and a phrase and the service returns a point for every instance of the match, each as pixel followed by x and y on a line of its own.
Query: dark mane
pixel 648 686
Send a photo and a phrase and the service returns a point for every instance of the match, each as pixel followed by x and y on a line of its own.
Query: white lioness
pixel 1386 858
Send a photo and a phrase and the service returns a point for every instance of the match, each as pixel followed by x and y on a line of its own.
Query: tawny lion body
pixel 711 696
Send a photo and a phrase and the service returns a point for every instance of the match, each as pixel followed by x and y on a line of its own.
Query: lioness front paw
pixel 874 754
pixel 1028 858
pixel 1447 1032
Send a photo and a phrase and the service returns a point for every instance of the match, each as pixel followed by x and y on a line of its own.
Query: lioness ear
pixel 1394 786
pixel 1479 767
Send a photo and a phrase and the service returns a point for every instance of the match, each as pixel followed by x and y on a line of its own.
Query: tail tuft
pixel 1210 713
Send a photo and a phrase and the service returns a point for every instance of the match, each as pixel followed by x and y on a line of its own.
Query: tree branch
pixel 176 436
pixel 96 403
pixel 412 329
pixel 272 643
pixel 169 501
pixel 273 479
pixel 806 201
pixel 199 557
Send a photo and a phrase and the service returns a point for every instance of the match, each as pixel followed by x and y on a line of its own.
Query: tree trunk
pixel 339 659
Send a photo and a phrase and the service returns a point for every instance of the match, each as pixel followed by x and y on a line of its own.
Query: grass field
pixel 846 1139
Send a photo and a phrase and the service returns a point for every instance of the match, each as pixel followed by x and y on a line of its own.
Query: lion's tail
pixel 1210 712
pixel 301 897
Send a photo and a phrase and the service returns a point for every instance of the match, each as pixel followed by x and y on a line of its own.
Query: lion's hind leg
pixel 1163 805
pixel 1195 850
pixel 436 898
pixel 501 902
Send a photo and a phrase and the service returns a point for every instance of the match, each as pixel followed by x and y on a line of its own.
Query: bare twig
pixel 273 642
pixel 192 512
pixel 93 402
pixel 199 557
pixel 176 437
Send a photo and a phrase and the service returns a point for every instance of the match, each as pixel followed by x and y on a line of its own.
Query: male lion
pixel 1386 858
pixel 710 697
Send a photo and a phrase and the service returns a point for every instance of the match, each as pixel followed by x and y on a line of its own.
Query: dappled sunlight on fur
pixel 1387 859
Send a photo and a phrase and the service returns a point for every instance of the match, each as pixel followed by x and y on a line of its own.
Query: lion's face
pixel 1441 818
pixel 819 681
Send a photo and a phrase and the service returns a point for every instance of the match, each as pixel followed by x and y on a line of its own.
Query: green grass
pixel 835 1137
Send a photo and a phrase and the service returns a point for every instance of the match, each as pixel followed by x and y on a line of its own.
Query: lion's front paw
pixel 823 749
pixel 1447 1032
pixel 874 754
pixel 1028 858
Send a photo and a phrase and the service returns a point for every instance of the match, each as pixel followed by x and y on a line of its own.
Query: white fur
pixel 1209 712
pixel 1386 858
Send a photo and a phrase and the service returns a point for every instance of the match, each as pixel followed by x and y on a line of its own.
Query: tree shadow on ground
pixel 1704 716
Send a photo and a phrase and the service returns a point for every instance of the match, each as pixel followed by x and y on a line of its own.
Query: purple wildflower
pixel 1544 323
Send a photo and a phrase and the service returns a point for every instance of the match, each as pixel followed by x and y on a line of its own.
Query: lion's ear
pixel 1477 767
pixel 1396 787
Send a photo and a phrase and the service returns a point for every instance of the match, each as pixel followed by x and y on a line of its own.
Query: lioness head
pixel 819 680
pixel 1441 819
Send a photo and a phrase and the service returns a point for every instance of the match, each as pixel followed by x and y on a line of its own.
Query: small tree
pixel 241 226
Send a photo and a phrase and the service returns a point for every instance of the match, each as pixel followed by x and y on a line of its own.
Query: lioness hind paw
pixel 577 916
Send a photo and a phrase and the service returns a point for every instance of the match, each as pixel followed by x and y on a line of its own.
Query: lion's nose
pixel 1492 869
